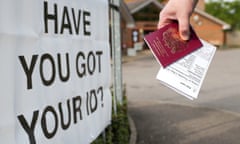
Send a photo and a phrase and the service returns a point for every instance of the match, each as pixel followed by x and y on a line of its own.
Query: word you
pixel 86 63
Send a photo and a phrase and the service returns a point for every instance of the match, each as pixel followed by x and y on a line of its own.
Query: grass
pixel 118 132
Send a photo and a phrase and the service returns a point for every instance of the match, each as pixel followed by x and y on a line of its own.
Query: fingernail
pixel 185 35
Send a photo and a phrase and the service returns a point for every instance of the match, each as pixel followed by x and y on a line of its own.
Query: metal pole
pixel 116 49
pixel 104 136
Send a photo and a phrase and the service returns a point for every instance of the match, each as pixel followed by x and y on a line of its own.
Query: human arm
pixel 178 10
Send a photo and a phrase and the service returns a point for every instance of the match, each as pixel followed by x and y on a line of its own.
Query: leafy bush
pixel 118 132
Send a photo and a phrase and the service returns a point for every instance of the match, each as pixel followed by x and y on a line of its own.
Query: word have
pixel 85 64
pixel 71 20
pixel 58 116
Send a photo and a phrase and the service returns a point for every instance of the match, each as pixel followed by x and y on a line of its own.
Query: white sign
pixel 55 71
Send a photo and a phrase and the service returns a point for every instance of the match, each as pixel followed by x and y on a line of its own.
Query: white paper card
pixel 186 75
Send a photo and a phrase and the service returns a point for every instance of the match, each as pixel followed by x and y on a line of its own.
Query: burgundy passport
pixel 168 47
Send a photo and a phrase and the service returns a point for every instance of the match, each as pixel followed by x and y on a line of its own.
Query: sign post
pixel 116 50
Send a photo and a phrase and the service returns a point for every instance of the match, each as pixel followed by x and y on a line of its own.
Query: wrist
pixel 195 2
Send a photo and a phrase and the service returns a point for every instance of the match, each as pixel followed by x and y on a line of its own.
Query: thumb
pixel 184 30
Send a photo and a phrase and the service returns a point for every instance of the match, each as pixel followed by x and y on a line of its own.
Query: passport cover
pixel 167 45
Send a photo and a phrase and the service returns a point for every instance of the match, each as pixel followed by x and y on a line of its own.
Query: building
pixel 145 14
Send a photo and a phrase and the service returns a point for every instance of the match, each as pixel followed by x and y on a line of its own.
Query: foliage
pixel 118 132
pixel 226 11
pixel 120 125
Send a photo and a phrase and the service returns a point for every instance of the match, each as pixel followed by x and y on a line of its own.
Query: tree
pixel 226 11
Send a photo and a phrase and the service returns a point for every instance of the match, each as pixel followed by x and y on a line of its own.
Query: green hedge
pixel 118 132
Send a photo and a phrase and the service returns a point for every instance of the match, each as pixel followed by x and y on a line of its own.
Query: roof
pixel 225 25
pixel 136 5
pixel 126 14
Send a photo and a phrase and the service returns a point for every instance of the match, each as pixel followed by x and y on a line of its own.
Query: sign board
pixel 55 71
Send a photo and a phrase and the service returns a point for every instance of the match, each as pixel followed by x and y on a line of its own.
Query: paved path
pixel 164 117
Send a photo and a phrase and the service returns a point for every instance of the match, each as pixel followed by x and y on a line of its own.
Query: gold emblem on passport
pixel 172 40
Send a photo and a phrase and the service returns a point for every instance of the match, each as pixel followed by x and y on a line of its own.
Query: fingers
pixel 184 30
pixel 165 18
pixel 173 11
pixel 163 23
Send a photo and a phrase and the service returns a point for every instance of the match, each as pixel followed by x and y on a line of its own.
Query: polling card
pixel 186 76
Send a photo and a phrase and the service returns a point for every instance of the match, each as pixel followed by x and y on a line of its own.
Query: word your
pixel 74 114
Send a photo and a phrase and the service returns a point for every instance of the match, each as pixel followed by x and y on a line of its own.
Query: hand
pixel 181 11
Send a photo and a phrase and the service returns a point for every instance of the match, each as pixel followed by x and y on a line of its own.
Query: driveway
pixel 163 116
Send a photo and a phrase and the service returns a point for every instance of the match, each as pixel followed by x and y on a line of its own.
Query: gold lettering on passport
pixel 173 41
pixel 159 47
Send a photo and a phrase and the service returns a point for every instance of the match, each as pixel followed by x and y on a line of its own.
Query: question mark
pixel 100 89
